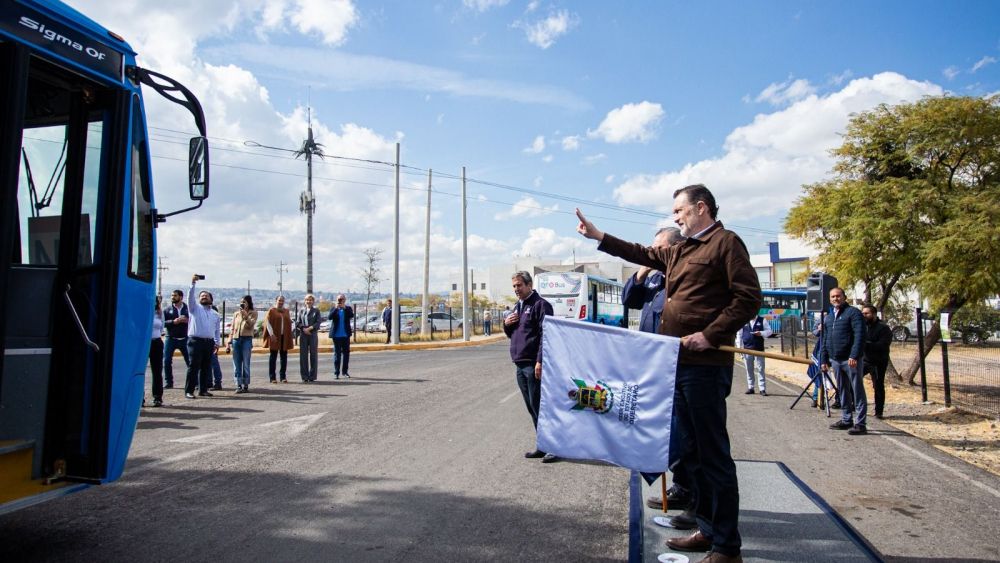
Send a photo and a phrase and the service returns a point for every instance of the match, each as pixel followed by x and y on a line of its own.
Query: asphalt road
pixel 417 458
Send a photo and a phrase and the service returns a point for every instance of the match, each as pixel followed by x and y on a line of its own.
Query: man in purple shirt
pixel 524 328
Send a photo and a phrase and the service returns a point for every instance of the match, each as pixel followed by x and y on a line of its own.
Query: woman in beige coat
pixel 278 337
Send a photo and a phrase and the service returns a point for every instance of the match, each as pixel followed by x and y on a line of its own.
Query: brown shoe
pixel 695 542
pixel 714 557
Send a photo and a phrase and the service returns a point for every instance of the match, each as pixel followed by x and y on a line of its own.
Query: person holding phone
pixel 244 322
pixel 203 341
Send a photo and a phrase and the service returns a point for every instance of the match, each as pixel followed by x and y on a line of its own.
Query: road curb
pixel 357 348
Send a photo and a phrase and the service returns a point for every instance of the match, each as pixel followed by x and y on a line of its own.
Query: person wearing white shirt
pixel 204 339
pixel 752 337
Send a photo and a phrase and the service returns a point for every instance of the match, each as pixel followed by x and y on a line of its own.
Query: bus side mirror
pixel 198 168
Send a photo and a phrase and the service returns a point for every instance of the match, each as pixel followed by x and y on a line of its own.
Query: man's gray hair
pixel 673 234
pixel 525 277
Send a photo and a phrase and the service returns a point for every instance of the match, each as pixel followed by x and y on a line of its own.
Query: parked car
pixel 409 323
pixel 324 326
pixel 372 323
pixel 444 321
pixel 440 322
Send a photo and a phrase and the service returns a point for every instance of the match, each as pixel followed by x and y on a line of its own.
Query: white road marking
pixel 511 396
pixel 929 459
pixel 258 435
pixel 951 470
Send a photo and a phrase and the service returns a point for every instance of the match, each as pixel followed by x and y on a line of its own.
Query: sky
pixel 608 106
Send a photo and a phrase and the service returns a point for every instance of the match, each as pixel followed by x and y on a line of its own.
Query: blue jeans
pixel 216 370
pixel 531 388
pixel 341 351
pixel 700 408
pixel 169 346
pixel 241 359
pixel 851 391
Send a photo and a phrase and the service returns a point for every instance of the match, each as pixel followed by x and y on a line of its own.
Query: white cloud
pixel 630 123
pixel 571 143
pixel 594 158
pixel 484 5
pixel 789 91
pixel 951 72
pixel 543 33
pixel 255 192
pixel 532 6
pixel 349 72
pixel 536 146
pixel 544 242
pixel 987 60
pixel 526 207
pixel 537 182
pixel 839 79
pixel 766 162
pixel 329 18
pixel 548 158
pixel 610 178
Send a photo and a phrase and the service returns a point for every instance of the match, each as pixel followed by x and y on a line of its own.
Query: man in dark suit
pixel 307 324
pixel 341 317
pixel 175 320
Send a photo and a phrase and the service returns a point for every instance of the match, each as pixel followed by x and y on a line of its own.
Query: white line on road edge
pixel 511 396
pixel 928 458
pixel 952 470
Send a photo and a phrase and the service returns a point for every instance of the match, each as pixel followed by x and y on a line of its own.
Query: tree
pixel 370 274
pixel 913 202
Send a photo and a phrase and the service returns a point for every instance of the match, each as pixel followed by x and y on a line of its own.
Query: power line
pixel 413 170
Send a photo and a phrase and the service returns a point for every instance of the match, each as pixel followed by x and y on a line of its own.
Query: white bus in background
pixel 576 295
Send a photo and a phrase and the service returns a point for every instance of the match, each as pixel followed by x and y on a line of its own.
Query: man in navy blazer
pixel 175 321
pixel 341 318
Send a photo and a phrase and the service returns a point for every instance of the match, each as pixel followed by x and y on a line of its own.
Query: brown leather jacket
pixel 711 288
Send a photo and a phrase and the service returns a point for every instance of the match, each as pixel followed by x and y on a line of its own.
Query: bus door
pixel 58 251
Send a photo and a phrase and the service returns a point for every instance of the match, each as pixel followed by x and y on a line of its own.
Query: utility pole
pixel 307 201
pixel 465 264
pixel 159 278
pixel 281 267
pixel 425 303
pixel 395 260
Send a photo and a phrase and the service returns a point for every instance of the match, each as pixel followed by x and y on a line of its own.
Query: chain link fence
pixel 964 372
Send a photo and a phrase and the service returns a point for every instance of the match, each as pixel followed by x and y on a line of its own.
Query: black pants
pixel 273 360
pixel 531 388
pixel 388 332
pixel 199 373
pixel 877 369
pixel 341 349
pixel 700 408
pixel 156 366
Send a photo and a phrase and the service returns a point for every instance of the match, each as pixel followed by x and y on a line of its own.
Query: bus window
pixel 141 239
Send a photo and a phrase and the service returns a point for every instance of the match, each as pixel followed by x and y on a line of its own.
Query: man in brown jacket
pixel 278 337
pixel 711 291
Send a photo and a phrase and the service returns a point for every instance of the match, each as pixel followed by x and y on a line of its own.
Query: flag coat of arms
pixel 607 394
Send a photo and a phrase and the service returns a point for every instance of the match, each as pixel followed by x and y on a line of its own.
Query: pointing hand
pixel 587 229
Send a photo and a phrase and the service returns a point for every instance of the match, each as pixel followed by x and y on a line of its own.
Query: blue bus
pixel 778 303
pixel 577 295
pixel 77 249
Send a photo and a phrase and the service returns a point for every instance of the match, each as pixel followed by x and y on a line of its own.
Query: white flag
pixel 607 394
